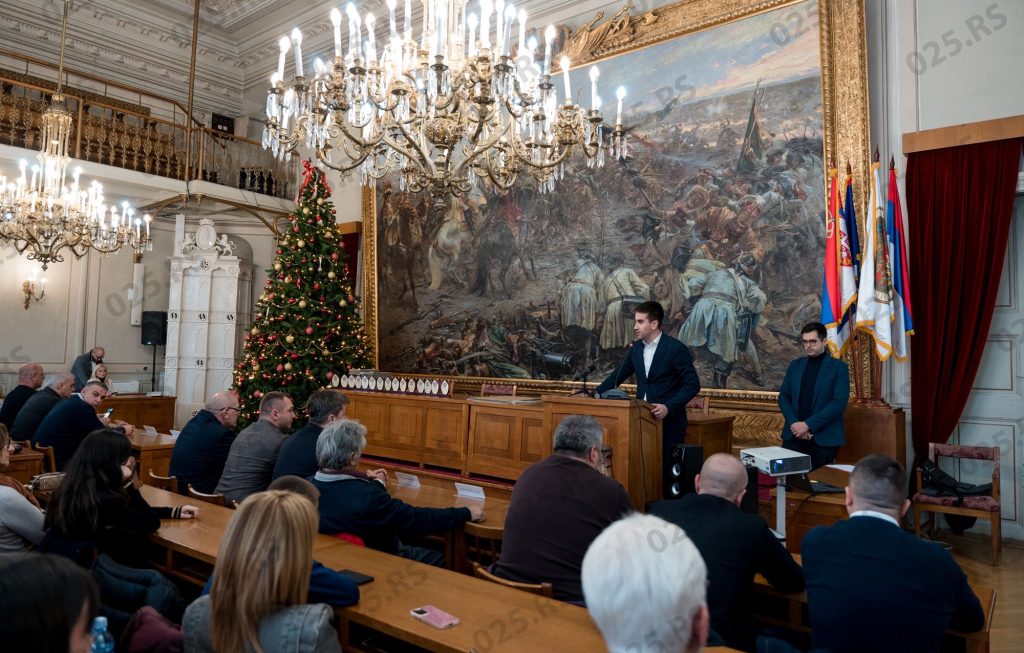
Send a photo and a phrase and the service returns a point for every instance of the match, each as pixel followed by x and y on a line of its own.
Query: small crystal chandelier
pixel 453 107
pixel 42 216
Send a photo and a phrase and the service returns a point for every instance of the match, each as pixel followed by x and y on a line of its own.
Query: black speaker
pixel 154 327
pixel 686 461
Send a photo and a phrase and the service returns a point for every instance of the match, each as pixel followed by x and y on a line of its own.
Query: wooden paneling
pixel 140 410
pixel 497 435
pixel 874 429
pixel 536 443
pixel 444 439
pixel 24 465
pixel 969 134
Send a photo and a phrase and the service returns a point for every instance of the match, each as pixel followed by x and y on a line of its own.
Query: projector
pixel 776 461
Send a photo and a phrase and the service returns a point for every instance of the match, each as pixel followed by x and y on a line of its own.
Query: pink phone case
pixel 428 614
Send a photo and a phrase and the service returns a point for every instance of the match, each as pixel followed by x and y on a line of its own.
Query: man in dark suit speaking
pixel 813 399
pixel 665 376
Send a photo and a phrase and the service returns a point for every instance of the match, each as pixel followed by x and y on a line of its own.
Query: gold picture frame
pixel 845 130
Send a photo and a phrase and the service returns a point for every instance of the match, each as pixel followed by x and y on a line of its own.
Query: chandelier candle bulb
pixel 371 43
pixel 499 16
pixel 471 20
pixel 564 63
pixel 620 94
pixel 594 101
pixel 297 42
pixel 392 24
pixel 510 15
pixel 336 22
pixel 485 24
pixel 284 44
pixel 549 37
pixel 522 33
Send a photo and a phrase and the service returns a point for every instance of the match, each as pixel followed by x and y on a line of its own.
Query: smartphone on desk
pixel 435 617
pixel 110 411
pixel 356 577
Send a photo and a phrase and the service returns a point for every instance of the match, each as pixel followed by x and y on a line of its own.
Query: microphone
pixel 587 371
pixel 616 393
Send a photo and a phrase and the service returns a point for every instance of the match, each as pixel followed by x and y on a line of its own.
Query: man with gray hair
pixel 58 386
pixel 871 586
pixel 357 503
pixel 30 377
pixel 644 582
pixel 250 463
pixel 202 446
pixel 559 505
pixel 735 546
pixel 298 453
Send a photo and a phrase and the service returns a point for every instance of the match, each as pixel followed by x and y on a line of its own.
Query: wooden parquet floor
pixel 975 555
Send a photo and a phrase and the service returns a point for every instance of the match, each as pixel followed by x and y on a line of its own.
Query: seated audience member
pixel 298 453
pixel 250 462
pixel 871 586
pixel 258 598
pixel 644 582
pixel 97 508
pixel 83 365
pixel 559 505
pixel 30 377
pixel 203 445
pixel 71 420
pixel 21 520
pixel 325 585
pixel 48 604
pixel 39 405
pixel 99 375
pixel 735 547
pixel 358 503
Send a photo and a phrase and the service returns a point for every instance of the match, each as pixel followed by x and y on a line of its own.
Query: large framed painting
pixel 734 111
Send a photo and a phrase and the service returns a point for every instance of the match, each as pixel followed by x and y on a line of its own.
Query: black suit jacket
pixel 13 403
pixel 65 427
pixel 735 546
pixel 873 587
pixel 33 412
pixel 672 381
pixel 199 453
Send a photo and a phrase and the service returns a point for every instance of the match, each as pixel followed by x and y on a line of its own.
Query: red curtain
pixel 959 206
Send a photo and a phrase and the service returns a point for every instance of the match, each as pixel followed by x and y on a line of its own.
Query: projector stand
pixel 780 508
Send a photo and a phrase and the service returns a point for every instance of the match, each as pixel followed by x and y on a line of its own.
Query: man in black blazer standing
pixel 665 376
pixel 871 586
pixel 735 546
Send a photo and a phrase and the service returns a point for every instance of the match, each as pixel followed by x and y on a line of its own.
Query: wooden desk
pixel 494 618
pixel 151 452
pixel 140 410
pixel 794 607
pixel 712 432
pixel 24 465
pixel 805 511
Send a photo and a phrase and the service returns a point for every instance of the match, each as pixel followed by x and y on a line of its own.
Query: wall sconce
pixel 29 287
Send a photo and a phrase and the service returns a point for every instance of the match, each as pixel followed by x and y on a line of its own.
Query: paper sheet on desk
pixel 842 468
pixel 407 480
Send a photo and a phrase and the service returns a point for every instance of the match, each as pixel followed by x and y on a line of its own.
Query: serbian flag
pixel 831 299
pixel 874 296
pixel 849 252
pixel 903 323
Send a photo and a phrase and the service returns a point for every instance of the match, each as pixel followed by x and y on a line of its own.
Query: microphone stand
pixel 584 390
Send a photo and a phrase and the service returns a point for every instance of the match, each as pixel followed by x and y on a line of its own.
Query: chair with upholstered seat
pixel 543 589
pixel 216 499
pixel 983 507
pixel 169 483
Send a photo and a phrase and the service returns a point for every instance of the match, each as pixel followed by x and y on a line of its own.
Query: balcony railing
pixel 126 135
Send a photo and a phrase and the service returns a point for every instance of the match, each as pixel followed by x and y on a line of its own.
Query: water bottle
pixel 102 640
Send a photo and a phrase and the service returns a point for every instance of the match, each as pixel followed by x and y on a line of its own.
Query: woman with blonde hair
pixel 257 603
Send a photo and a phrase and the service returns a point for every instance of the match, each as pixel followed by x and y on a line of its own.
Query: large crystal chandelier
pixel 455 105
pixel 41 215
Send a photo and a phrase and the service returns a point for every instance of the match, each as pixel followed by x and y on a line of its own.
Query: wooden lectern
pixel 630 430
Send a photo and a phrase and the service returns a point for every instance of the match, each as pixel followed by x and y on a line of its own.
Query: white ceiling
pixel 147 44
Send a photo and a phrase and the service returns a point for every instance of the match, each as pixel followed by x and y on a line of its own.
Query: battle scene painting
pixel 717 213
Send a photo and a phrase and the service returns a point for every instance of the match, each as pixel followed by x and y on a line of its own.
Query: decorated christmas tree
pixel 305 326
